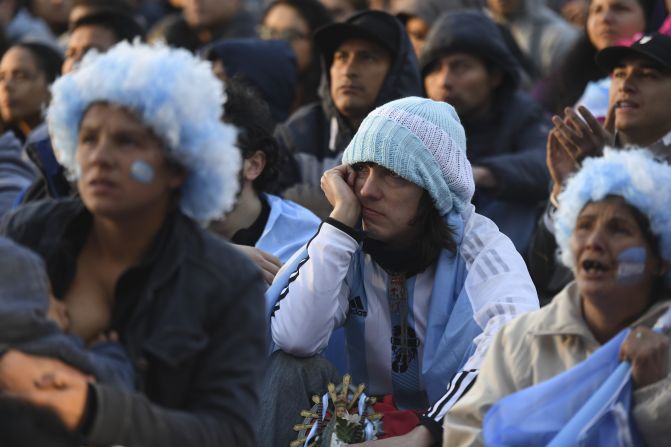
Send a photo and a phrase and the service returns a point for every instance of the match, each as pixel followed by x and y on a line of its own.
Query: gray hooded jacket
pixel 540 33
pixel 509 139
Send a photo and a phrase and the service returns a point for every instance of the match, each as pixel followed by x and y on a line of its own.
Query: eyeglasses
pixel 267 33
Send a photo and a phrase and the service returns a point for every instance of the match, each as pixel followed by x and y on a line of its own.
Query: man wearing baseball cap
pixel 640 92
pixel 368 61
pixel 640 95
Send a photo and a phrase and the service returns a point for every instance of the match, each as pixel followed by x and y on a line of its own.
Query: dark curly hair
pixel 246 110
pixel 124 26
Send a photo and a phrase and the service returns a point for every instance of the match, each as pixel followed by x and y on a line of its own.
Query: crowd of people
pixel 211 210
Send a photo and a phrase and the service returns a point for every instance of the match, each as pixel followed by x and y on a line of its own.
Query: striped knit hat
pixel 424 142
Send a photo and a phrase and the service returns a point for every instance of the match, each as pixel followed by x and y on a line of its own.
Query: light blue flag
pixel 534 416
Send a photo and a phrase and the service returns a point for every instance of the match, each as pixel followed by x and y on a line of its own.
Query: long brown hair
pixel 434 233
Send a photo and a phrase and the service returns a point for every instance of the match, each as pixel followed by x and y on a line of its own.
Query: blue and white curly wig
pixel 173 93
pixel 643 182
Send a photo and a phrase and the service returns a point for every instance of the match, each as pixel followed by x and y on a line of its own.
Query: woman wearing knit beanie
pixel 425 283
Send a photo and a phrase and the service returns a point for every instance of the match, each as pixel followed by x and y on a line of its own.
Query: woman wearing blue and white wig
pixel 138 128
pixel 172 94
pixel 612 228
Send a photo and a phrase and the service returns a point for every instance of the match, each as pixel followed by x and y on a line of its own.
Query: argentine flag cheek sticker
pixel 142 172
pixel 631 265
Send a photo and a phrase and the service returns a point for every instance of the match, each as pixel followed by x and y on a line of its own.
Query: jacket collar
pixel 564 316
pixel 163 256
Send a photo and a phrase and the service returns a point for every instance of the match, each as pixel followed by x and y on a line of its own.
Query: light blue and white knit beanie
pixel 173 93
pixel 424 142
pixel 643 182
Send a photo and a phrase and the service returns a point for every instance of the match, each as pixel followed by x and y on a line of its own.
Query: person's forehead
pixel 611 207
pixel 360 44
pixel 117 118
pixel 281 10
pixel 210 5
pixel 51 4
pixel 18 57
pixel 93 33
pixel 379 168
pixel 417 23
pixel 119 114
pixel 462 57
pixel 639 62
pixel 595 3
pixel 341 4
pixel 284 16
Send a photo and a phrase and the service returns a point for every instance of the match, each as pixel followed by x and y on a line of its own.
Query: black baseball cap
pixel 656 47
pixel 376 26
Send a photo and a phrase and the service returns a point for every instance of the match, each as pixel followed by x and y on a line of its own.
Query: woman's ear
pixel 177 175
pixel 253 166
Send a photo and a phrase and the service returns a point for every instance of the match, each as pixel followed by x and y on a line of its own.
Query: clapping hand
pixel 573 139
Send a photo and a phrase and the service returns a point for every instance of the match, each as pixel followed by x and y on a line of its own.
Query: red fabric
pixel 395 422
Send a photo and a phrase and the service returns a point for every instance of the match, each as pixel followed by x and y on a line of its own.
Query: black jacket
pixel 51 181
pixel 177 33
pixel 510 138
pixel 316 135
pixel 16 174
pixel 511 143
pixel 268 65
pixel 190 315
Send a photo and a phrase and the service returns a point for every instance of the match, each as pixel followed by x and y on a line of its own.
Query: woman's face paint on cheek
pixel 142 172
pixel 631 265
